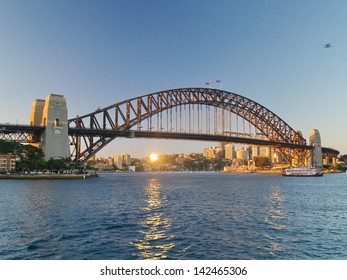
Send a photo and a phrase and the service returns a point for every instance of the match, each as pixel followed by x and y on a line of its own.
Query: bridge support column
pixel 52 113
pixel 316 151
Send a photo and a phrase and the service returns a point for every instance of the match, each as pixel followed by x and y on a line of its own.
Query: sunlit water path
pixel 175 216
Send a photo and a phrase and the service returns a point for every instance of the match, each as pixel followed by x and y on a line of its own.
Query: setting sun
pixel 153 157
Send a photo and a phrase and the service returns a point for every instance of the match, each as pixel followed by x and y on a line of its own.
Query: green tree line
pixel 31 158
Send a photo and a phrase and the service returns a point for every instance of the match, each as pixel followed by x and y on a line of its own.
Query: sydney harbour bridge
pixel 203 114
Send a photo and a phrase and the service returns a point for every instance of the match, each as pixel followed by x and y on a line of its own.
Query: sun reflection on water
pixel 275 217
pixel 155 242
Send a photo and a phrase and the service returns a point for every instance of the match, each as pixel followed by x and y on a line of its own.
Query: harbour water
pixel 190 216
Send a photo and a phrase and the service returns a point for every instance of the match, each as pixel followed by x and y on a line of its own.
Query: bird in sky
pixel 327 46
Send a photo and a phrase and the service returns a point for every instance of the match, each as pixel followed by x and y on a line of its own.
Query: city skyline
pixel 100 54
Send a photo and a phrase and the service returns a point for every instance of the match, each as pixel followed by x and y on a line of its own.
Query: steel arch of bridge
pixel 161 114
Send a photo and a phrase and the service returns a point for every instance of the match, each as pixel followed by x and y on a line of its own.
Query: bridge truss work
pixel 186 113
pixel 21 133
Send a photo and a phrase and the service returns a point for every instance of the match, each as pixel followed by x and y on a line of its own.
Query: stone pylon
pixel 52 113
pixel 316 151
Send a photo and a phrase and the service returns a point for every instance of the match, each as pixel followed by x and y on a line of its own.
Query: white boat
pixel 303 171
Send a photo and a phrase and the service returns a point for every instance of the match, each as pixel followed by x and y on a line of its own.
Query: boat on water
pixel 303 171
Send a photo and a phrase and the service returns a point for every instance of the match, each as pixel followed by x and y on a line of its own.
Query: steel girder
pixel 126 114
pixel 21 133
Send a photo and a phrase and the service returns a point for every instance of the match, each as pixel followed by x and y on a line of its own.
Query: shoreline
pixel 94 175
pixel 47 176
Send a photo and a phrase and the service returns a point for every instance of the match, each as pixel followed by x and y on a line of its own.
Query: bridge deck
pixel 38 130
pixel 181 136
pixel 13 128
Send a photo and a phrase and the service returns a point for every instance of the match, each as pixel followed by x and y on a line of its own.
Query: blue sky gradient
pixel 97 53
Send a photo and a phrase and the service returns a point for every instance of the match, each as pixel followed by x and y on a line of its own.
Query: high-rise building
pixel 240 153
pixel 219 153
pixel 248 152
pixel 213 152
pixel 265 152
pixel 126 159
pixel 222 145
pixel 118 161
pixel 230 151
pixel 255 151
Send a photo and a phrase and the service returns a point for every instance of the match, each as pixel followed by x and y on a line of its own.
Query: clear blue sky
pixel 100 52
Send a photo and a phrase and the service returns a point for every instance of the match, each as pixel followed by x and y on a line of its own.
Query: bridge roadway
pixel 8 129
pixel 20 132
pixel 181 136
pixel 23 128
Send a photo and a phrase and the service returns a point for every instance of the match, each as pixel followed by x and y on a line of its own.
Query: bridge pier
pixel 52 113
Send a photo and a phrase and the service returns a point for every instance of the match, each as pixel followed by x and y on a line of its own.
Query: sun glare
pixel 153 157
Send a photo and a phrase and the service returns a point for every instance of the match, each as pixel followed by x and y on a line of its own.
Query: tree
pixel 32 158
pixel 25 165
pixel 262 162
pixel 343 158
pixel 56 164
pixel 188 164
pixel 10 147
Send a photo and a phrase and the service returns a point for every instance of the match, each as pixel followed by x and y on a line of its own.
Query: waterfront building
pixel 219 153
pixel 230 151
pixel 277 157
pixel 240 153
pixel 126 159
pixel 255 151
pixel 222 145
pixel 265 152
pixel 118 161
pixel 7 163
pixel 132 168
pixel 210 152
pixel 214 152
pixel 248 152
pixel 206 152
pixel 330 161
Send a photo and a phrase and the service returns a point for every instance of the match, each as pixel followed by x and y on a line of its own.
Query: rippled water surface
pixel 175 216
